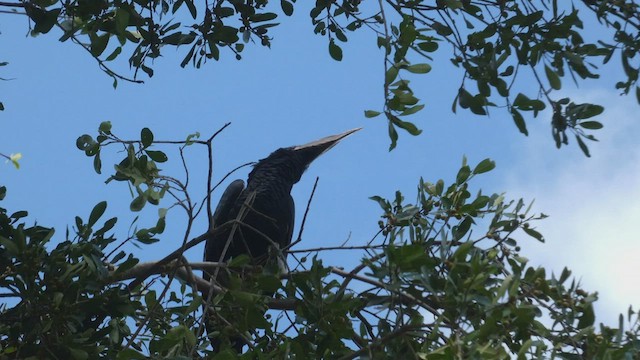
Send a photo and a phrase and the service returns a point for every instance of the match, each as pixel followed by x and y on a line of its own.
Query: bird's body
pixel 258 220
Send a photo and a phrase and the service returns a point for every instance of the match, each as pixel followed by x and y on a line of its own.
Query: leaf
pixel 335 51
pixel 371 113
pixel 287 7
pixel 463 174
pixel 419 68
pixel 429 46
pixel 588 317
pixel 188 57
pixel 263 17
pixel 411 128
pixel 138 203
pixel 484 166
pixel 84 141
pixel 105 127
pixel 192 8
pixel 522 353
pixel 391 75
pixel 44 20
pixel 591 125
pixel 519 121
pixel 462 228
pixel 97 212
pixel 554 79
pixel 98 44
pixel 533 233
pixel 393 135
pixel 122 20
pixel 384 204
pixel 412 110
pixel 146 137
pixel 583 146
pixel 590 110
pixel 78 354
pixel 157 156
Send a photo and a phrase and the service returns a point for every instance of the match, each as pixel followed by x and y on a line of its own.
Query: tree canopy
pixel 494 44
pixel 442 276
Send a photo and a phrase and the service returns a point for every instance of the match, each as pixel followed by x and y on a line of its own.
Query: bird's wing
pixel 212 252
pixel 291 222
pixel 227 202
pixel 221 216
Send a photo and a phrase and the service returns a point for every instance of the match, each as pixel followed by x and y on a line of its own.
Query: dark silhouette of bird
pixel 258 219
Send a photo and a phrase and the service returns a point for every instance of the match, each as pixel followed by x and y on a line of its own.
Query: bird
pixel 263 211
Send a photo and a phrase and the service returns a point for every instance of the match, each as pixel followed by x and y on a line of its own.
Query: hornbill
pixel 262 214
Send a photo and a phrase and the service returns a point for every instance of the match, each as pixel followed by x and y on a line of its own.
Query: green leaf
pixel 591 125
pixel 552 76
pixel 393 135
pixel 157 156
pixel 371 113
pixel 138 203
pixel 263 17
pixel 411 128
pixel 146 137
pixel 590 110
pixel 287 7
pixel 463 174
pixel 522 353
pixel 98 44
pixel 78 354
pixel 97 212
pixel 484 166
pixel 533 233
pixel 84 142
pixel 462 228
pixel 105 127
pixel 419 68
pixel 122 20
pixel 429 46
pixel 43 20
pixel 335 51
pixel 588 317
pixel 583 146
pixel 384 204
pixel 391 75
pixel 412 110
pixel 519 121
pixel 192 8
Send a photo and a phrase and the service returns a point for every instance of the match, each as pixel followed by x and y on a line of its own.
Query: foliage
pixel 499 47
pixel 13 158
pixel 442 278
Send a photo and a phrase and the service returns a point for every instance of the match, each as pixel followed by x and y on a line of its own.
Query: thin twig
pixel 221 181
pixel 8 4
pixel 210 173
pixel 329 248
pixel 304 218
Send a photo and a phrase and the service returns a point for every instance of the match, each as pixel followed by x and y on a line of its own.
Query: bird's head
pixel 291 162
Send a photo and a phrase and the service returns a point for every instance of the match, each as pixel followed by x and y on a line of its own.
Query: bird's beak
pixel 319 147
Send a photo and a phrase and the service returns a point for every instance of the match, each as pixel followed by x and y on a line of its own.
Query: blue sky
pixel 294 93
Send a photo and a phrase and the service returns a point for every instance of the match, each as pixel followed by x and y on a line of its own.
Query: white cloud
pixel 594 206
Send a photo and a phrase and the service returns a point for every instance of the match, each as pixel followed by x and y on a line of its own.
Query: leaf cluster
pixel 500 47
